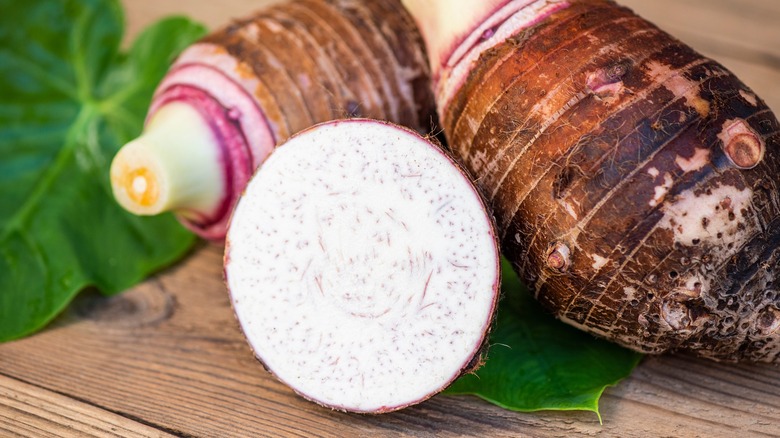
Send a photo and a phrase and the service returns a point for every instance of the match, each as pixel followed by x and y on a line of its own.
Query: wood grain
pixel 26 410
pixel 167 357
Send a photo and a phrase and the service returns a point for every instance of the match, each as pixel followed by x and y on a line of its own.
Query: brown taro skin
pixel 294 64
pixel 634 182
pixel 320 60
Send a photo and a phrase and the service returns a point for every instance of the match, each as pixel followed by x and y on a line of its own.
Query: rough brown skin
pixel 324 60
pixel 609 151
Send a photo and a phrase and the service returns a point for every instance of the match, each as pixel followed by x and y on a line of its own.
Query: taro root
pixel 230 98
pixel 363 267
pixel 634 181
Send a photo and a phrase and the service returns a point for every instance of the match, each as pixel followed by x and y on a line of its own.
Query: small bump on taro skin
pixel 741 144
pixel 559 257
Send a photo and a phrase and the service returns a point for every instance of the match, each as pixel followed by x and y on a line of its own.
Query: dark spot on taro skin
pixel 607 81
pixel 618 70
pixel 353 109
pixel 234 27
pixel 763 184
pixel 659 125
pixel 564 180
pixel 759 345
pixel 650 296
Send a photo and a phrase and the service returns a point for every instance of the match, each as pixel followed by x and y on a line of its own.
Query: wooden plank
pixel 26 411
pixel 170 352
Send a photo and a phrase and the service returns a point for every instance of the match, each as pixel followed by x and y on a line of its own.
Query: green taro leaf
pixel 69 98
pixel 536 362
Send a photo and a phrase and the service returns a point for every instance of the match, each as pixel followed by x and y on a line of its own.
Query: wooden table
pixel 167 357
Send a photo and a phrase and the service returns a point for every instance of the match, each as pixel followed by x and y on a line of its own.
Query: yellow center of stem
pixel 141 186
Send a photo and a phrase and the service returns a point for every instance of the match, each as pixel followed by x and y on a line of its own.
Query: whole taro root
pixel 230 98
pixel 634 181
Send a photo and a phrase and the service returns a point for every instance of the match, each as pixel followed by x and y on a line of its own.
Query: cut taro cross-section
pixel 363 266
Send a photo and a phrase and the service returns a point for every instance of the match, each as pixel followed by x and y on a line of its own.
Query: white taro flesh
pixel 363 266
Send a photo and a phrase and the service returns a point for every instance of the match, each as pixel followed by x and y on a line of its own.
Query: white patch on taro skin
pixel 569 209
pixel 680 86
pixel 629 293
pixel 653 172
pixel 700 158
pixel 749 97
pixel 598 261
pixel 711 219
pixel 362 266
pixel 251 32
pixel 661 190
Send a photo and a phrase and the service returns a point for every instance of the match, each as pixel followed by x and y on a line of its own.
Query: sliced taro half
pixel 363 266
